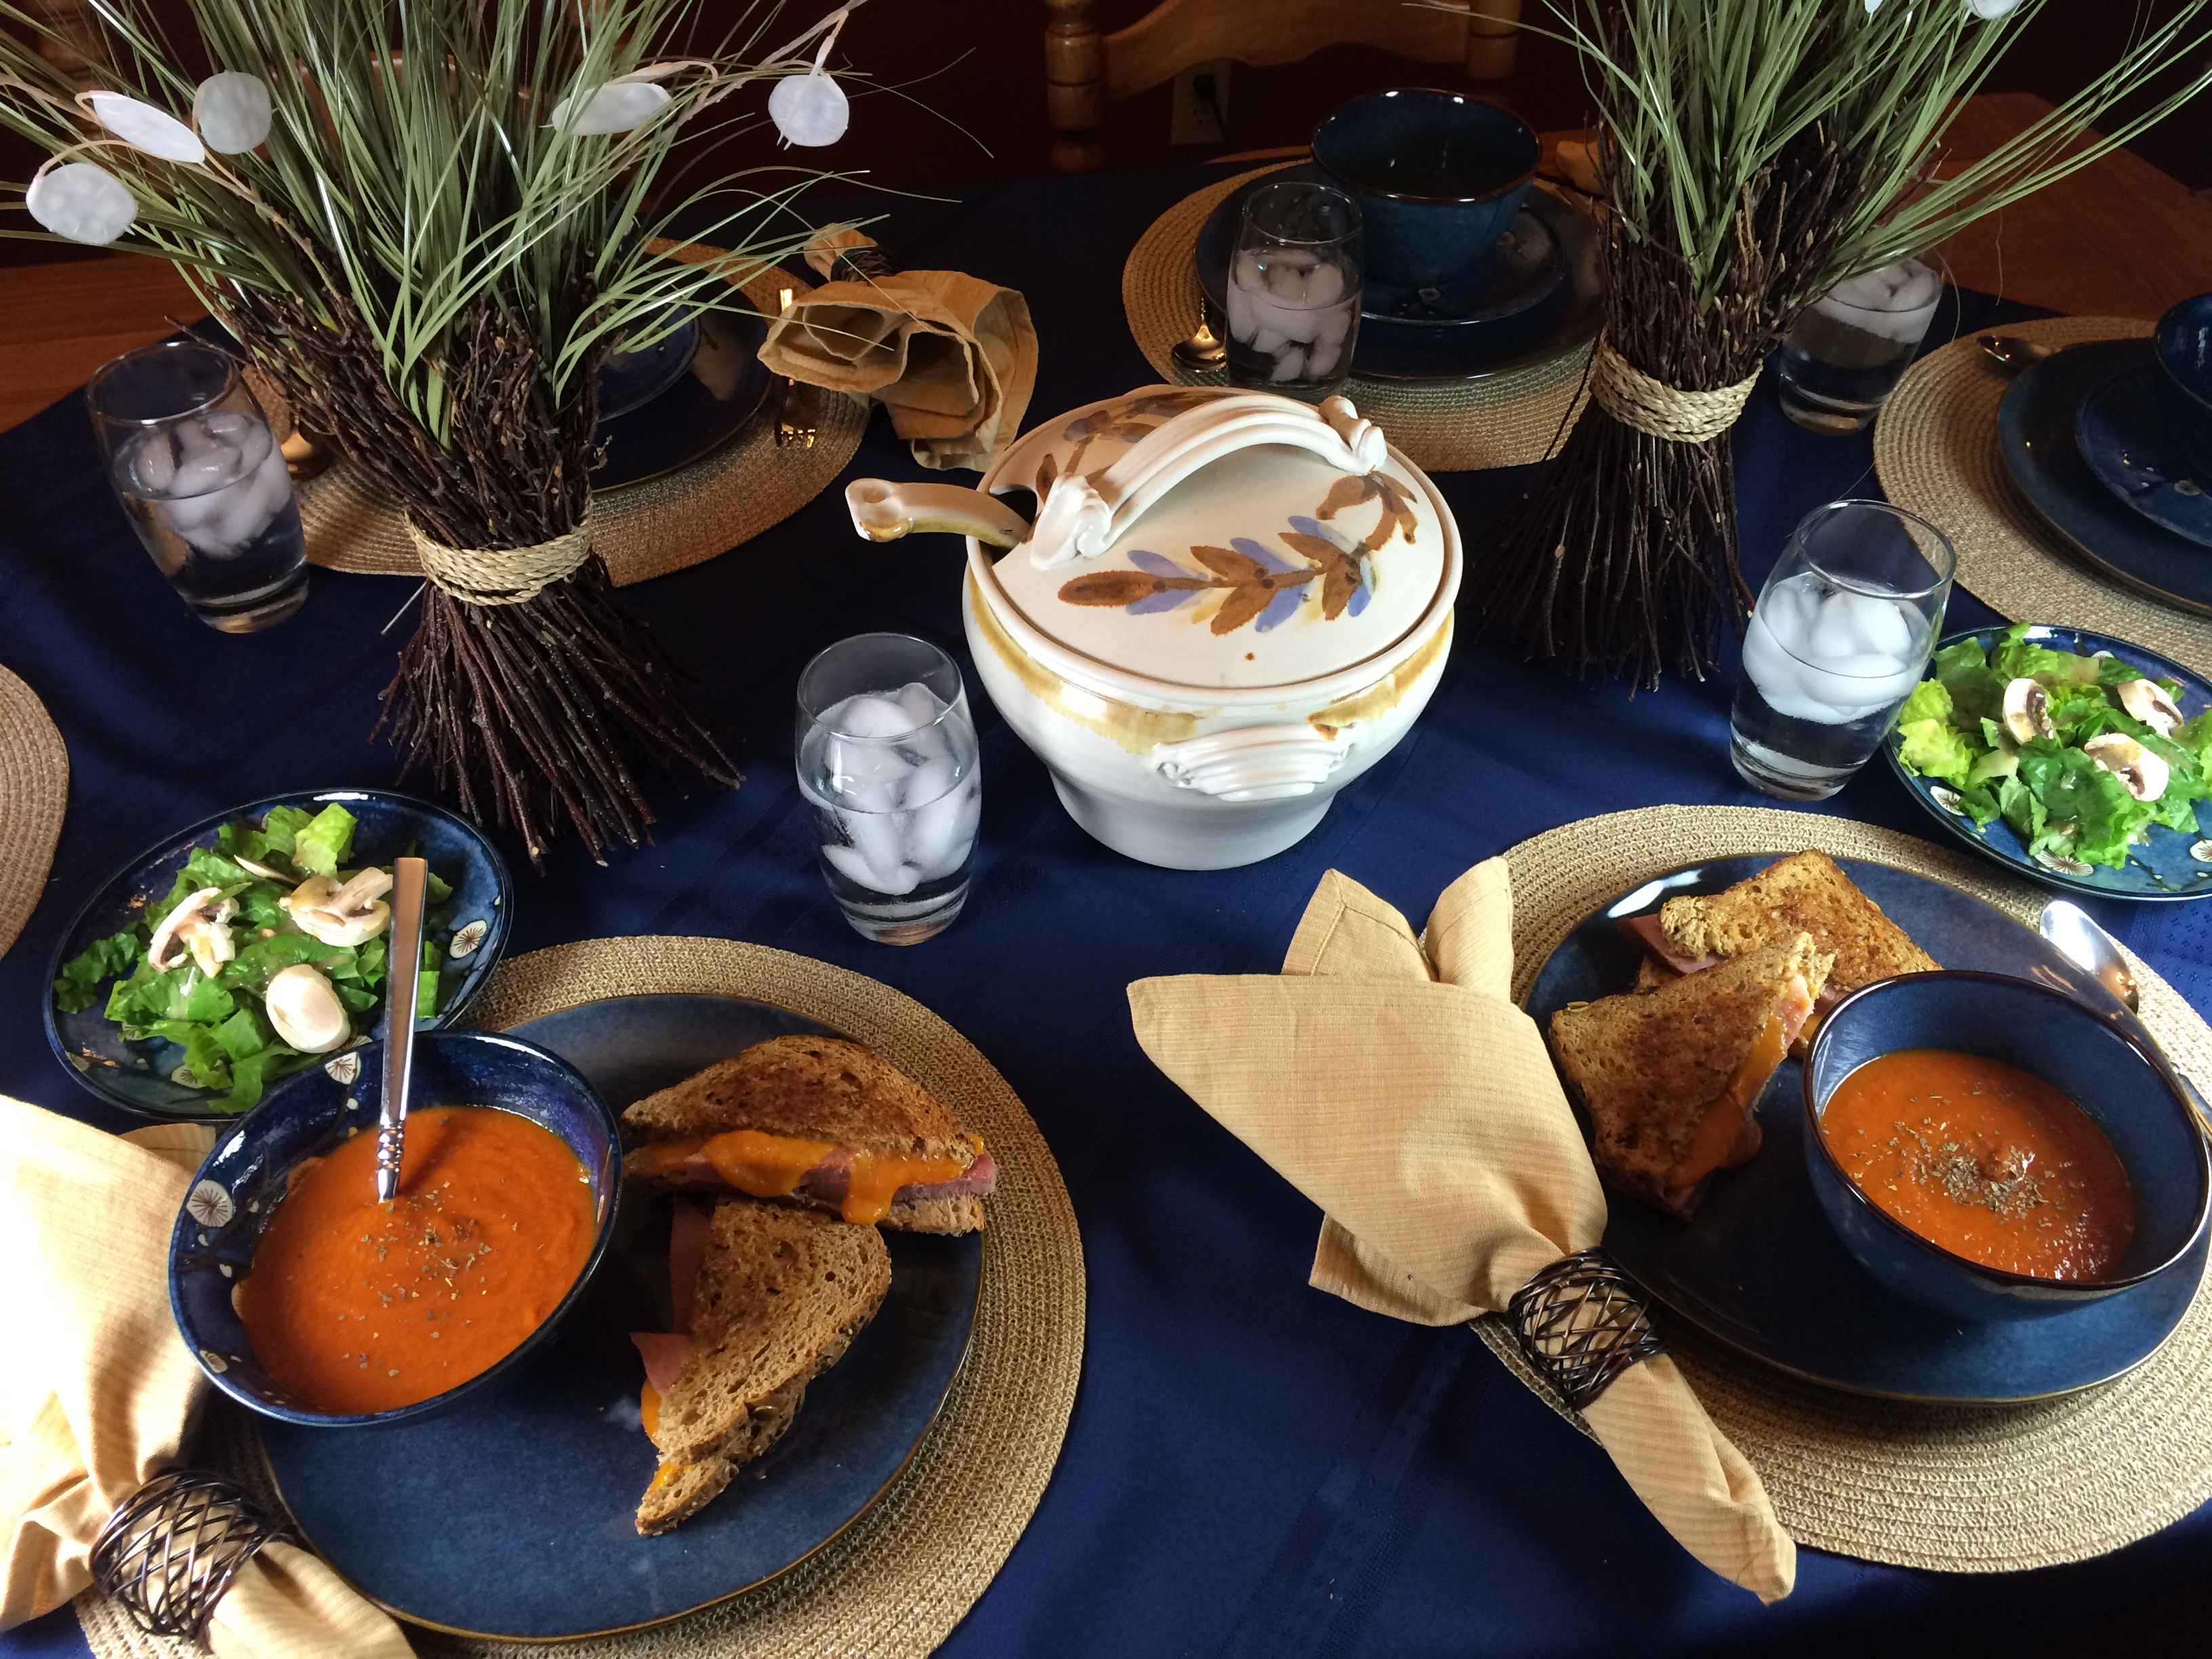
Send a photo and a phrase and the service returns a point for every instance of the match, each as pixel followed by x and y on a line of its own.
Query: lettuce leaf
pixel 322 845
pixel 281 828
pixel 1930 700
pixel 78 988
pixel 1935 749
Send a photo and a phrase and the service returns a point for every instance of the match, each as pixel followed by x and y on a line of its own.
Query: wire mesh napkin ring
pixel 1634 398
pixel 171 1547
pixel 1581 1323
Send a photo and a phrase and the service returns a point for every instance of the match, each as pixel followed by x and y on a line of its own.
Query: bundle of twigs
pixel 1649 517
pixel 1753 154
pixel 430 223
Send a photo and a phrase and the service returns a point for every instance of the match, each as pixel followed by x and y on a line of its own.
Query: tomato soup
pixel 1988 1161
pixel 359 1306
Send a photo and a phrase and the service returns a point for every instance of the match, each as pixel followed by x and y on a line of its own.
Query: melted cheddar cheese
pixel 771 1166
pixel 1728 1135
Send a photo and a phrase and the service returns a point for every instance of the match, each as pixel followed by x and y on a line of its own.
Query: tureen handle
pixel 1080 516
pixel 1255 763
pixel 884 512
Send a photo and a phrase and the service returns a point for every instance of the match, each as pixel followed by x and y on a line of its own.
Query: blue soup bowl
pixel 2086 1056
pixel 2183 341
pixel 1438 176
pixel 244 1179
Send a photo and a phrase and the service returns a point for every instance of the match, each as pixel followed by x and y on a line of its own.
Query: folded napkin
pixel 98 1386
pixel 1393 1082
pixel 952 357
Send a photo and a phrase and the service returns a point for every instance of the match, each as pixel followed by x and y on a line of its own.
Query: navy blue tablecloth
pixel 1253 1466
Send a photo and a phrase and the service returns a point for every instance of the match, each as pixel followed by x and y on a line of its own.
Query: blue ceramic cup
pixel 2184 342
pixel 1438 177
pixel 2086 1056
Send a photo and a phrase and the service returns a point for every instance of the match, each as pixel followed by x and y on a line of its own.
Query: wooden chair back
pixel 1084 71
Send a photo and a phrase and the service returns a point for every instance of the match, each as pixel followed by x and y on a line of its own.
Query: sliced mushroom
pixel 2148 701
pixel 199 926
pixel 2143 774
pixel 2027 711
pixel 306 1011
pixel 335 915
pixel 255 868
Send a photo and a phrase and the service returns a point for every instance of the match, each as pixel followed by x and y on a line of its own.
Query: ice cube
pixel 1239 307
pixel 920 702
pixel 1286 277
pixel 933 779
pixel 1290 365
pixel 1266 342
pixel 866 715
pixel 1878 625
pixel 1322 362
pixel 868 777
pixel 930 830
pixel 1325 286
pixel 881 840
pixel 1829 634
pixel 152 465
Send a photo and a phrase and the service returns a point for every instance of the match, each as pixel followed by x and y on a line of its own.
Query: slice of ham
pixel 663 1352
pixel 983 1175
pixel 1645 933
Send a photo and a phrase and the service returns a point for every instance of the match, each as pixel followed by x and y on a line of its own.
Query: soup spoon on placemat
pixel 403 969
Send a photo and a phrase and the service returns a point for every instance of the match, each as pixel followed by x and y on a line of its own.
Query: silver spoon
pixel 402 964
pixel 2073 932
pixel 2013 354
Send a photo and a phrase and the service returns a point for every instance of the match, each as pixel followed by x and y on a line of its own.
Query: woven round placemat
pixel 901 1576
pixel 643 529
pixel 1958 1489
pixel 1447 426
pixel 34 793
pixel 1936 450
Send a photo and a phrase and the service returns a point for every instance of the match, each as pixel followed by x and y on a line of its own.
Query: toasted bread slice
pixel 815 1120
pixel 1650 975
pixel 781 1293
pixel 1672 1076
pixel 1803 893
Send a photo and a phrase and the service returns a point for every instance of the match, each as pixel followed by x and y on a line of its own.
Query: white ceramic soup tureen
pixel 1229 605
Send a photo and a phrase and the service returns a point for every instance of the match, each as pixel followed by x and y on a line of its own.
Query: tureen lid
pixel 1286 555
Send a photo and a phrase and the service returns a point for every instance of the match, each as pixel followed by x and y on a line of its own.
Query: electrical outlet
pixel 1198 114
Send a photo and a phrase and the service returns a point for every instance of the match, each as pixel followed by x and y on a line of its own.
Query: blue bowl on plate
pixel 243 1180
pixel 136 1076
pixel 1438 176
pixel 2084 1055
pixel 2183 342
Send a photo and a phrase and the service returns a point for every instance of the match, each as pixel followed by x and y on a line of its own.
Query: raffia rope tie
pixel 1634 398
pixel 502 575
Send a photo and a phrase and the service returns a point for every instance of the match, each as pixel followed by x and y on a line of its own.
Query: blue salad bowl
pixel 137 1075
pixel 2127 1091
pixel 1438 177
pixel 243 1181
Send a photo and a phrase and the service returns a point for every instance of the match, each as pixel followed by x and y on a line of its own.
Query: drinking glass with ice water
pixel 888 762
pixel 202 478
pixel 1843 358
pixel 1294 297
pixel 1839 639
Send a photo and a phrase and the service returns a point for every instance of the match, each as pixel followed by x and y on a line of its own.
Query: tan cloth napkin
pixel 98 1386
pixel 953 358
pixel 1401 1088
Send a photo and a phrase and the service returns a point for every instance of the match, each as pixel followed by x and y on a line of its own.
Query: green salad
pixel 267 953
pixel 2082 757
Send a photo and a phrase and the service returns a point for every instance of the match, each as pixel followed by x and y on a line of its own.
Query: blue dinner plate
pixel 2129 438
pixel 1759 1269
pixel 2163 867
pixel 2035 432
pixel 510 1516
pixel 701 386
pixel 135 1075
pixel 1544 297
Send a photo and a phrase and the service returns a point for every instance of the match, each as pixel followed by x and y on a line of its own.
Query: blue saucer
pixel 135 1075
pixel 510 1516
pixel 1543 298
pixel 2127 435
pixel 1759 1269
pixel 2163 867
pixel 2035 428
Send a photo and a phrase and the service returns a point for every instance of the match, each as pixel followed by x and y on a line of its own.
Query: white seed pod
pixel 232 111
pixel 82 201
pixel 143 127
pixel 617 107
pixel 810 110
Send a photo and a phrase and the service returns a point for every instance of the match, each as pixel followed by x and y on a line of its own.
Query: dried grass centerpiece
pixel 430 223
pixel 1753 154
